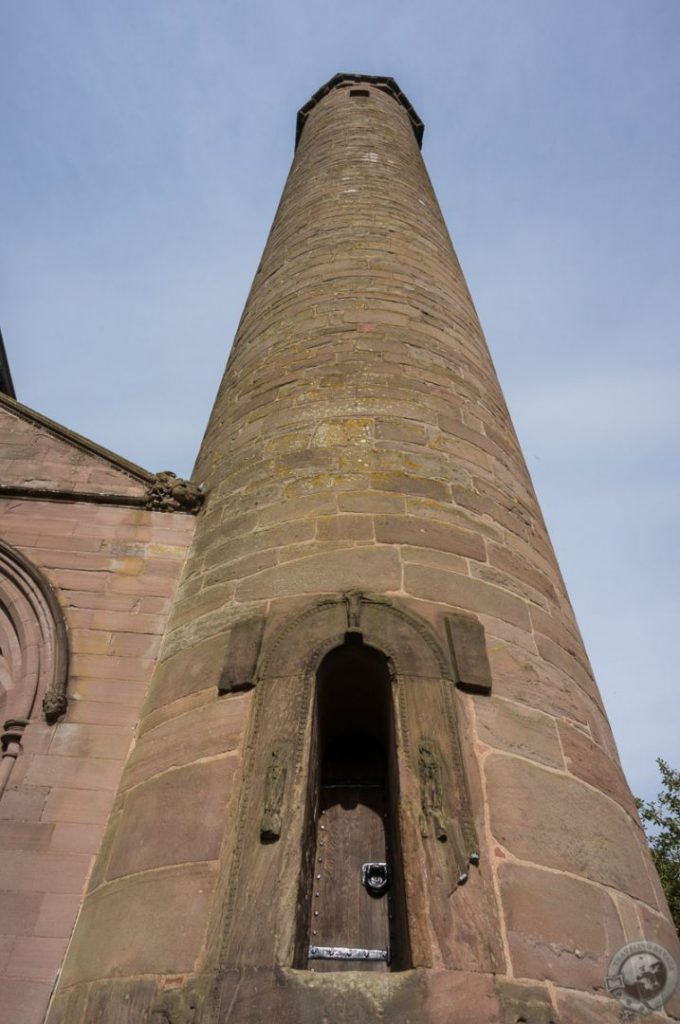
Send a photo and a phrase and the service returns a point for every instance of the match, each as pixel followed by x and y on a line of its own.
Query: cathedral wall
pixel 114 571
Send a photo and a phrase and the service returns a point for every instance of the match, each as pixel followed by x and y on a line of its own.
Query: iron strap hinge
pixel 345 953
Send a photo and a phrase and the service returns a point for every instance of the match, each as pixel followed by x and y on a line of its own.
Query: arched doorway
pixel 355 897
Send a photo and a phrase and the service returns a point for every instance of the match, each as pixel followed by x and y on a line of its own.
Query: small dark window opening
pixel 352 898
pixel 359 92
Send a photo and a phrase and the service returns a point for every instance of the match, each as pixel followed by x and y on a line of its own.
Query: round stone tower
pixel 374 780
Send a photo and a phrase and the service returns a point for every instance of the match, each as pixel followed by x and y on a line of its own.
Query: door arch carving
pixel 274 872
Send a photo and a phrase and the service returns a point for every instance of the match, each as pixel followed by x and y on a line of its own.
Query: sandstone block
pixel 57 915
pixel 44 872
pixel 403 484
pixel 531 814
pixel 24 1001
pixel 19 912
pixel 506 560
pixel 194 668
pixel 80 806
pixel 590 762
pixel 25 835
pixel 584 1008
pixel 371 501
pixel 519 730
pixel 192 832
pixel 75 740
pixel 36 958
pixel 657 928
pixel 464 593
pixel 559 929
pixel 366 569
pixel 344 527
pixel 131 927
pixel 73 772
pixel 214 728
pixel 428 534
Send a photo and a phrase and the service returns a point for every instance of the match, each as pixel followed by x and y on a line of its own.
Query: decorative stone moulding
pixel 34 652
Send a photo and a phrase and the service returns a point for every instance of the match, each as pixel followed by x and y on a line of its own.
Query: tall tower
pixel 373 780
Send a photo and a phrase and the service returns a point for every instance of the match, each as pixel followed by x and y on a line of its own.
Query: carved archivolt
pixel 33 651
pixel 277 794
pixel 407 641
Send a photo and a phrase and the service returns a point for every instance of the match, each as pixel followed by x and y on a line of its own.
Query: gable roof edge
pixel 77 440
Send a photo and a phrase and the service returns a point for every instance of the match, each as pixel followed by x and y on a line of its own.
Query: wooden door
pixel 346 917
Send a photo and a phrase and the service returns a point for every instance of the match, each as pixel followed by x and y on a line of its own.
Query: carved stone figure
pixel 169 493
pixel 274 787
pixel 353 611
pixel 429 770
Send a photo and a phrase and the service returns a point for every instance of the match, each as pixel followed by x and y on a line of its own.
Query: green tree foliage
pixel 661 822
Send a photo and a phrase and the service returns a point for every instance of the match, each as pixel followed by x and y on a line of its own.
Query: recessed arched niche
pixel 355 914
pixel 353 771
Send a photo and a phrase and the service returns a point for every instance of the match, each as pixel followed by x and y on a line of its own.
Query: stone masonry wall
pixel 360 441
pixel 115 571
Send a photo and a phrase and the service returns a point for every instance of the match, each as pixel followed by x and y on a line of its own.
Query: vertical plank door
pixel 350 832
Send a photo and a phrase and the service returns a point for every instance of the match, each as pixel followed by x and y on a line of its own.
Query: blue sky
pixel 144 149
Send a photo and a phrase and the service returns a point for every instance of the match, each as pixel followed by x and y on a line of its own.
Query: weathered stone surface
pixel 656 928
pixel 507 560
pixel 553 820
pixel 519 730
pixel 524 678
pixel 120 1002
pixel 370 569
pixel 409 530
pixel 215 728
pixel 442 997
pixel 523 1003
pixel 559 928
pixel 195 668
pixel 584 1008
pixel 591 763
pixel 193 831
pixel 24 1001
pixel 144 924
pixel 465 593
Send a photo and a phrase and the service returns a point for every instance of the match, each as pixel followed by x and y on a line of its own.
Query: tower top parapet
pixel 343 79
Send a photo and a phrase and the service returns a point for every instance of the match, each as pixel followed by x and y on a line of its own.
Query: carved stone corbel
pixel 169 493
pixel 54 705
pixel 274 789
